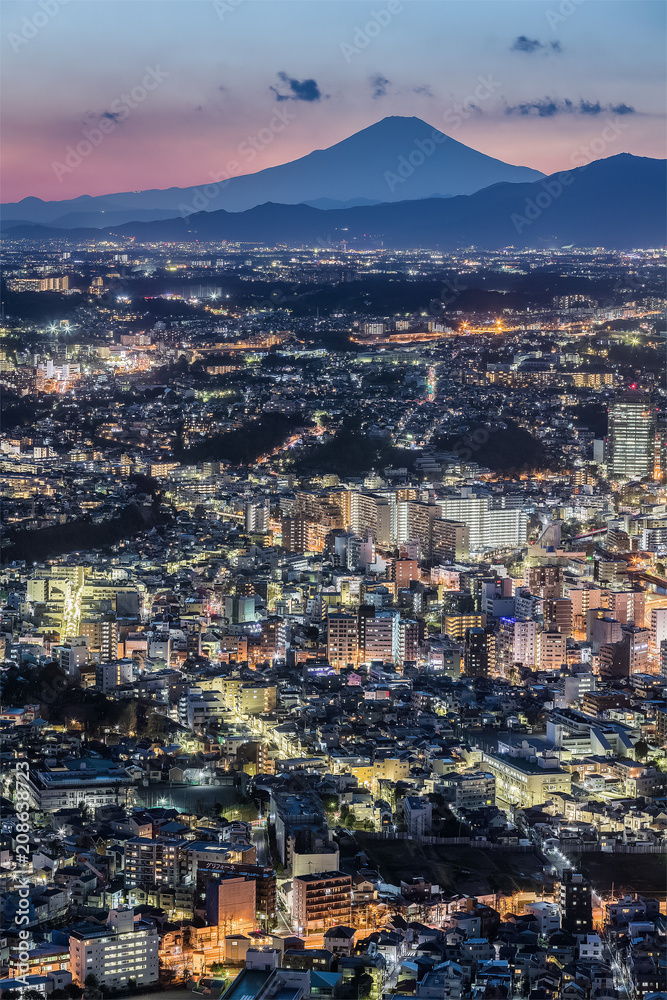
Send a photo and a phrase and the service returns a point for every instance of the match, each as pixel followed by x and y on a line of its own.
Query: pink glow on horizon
pixel 138 156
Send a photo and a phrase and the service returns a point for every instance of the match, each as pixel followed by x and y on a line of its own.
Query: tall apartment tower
pixel 576 908
pixel 479 658
pixel 631 436
pixel 257 517
pixel 342 640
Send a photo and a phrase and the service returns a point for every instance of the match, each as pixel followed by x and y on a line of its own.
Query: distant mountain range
pixel 393 160
pixel 618 203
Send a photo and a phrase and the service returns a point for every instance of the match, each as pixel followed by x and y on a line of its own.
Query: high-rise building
pixel 490 525
pixel 628 606
pixel 576 909
pixel 476 659
pixel 379 637
pixel 450 540
pixel 403 571
pixel 456 626
pixel 257 517
pixel 155 861
pixel 342 640
pixel 552 650
pixel 658 627
pixel 631 436
pixel 272 638
pixel 301 534
pixel 408 640
pixel 102 635
pixel 239 609
pixel 517 643
pixel 413 523
pixel 370 512
pixel 558 614
pixel 661 446
pixel 321 901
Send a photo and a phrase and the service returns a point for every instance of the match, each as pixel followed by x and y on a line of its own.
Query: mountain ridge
pixel 394 159
pixel 618 202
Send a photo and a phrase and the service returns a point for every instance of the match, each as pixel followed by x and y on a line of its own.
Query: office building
pixel 658 627
pixel 631 436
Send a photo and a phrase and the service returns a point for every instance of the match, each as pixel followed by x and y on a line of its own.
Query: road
pixel 260 840
pixel 621 980
pixel 558 860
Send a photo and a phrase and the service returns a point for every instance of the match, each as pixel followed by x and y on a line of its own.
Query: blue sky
pixel 554 71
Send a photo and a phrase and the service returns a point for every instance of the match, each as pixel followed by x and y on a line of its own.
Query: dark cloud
pixel 113 116
pixel 523 44
pixel 423 90
pixel 544 108
pixel 590 107
pixel 530 45
pixel 379 85
pixel 547 107
pixel 296 90
pixel 222 88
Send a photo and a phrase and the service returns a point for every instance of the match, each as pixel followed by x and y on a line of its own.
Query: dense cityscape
pixel 334 636
pixel 333 500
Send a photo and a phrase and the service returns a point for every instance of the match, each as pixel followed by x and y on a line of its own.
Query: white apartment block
pixel 125 949
pixel 490 527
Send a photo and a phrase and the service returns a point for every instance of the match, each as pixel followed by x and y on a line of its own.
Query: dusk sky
pixel 557 71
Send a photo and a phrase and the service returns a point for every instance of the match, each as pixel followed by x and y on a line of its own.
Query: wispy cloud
pixel 379 85
pixel 548 107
